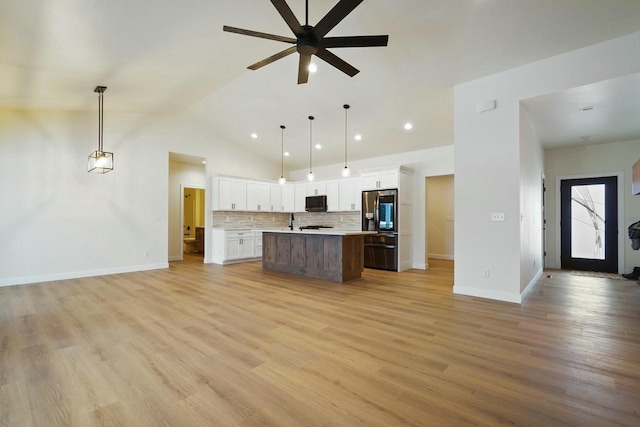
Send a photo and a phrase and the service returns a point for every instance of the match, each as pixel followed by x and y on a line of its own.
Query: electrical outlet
pixel 146 253
pixel 497 216
pixel 485 273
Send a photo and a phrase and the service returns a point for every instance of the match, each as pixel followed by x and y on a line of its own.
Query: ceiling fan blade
pixel 303 68
pixel 340 64
pixel 354 41
pixel 258 34
pixel 335 15
pixel 285 11
pixel 272 58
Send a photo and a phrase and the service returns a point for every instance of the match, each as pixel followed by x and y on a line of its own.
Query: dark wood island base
pixel 338 258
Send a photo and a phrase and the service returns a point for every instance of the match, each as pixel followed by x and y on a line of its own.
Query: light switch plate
pixel 497 216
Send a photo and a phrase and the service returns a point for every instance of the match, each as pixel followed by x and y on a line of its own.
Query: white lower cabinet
pixel 236 245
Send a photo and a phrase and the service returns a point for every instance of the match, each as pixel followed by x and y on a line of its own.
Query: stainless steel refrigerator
pixel 380 213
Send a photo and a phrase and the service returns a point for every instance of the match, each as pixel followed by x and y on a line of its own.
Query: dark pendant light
pixel 345 172
pixel 282 179
pixel 310 177
pixel 100 161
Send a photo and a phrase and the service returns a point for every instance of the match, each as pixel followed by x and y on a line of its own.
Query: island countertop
pixel 322 231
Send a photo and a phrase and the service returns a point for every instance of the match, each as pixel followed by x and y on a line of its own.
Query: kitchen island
pixel 335 255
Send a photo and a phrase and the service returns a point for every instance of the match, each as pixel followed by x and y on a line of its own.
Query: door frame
pixel 621 240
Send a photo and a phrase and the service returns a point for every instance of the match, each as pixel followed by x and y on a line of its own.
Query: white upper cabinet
pixel 350 194
pixel 317 188
pixel 276 198
pixel 300 197
pixel 333 195
pixel 258 196
pixel 380 180
pixel 229 194
pixel 288 198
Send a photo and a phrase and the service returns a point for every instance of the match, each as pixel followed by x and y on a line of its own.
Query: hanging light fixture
pixel 310 177
pixel 345 172
pixel 282 179
pixel 100 161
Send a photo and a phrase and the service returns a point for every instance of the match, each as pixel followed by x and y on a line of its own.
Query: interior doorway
pixel 439 211
pixel 589 224
pixel 193 216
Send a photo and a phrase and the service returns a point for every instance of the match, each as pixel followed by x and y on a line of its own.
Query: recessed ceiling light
pixel 588 108
pixel 408 126
pixel 313 68
pixel 318 146
pixel 254 135
pixel 286 153
pixel 358 137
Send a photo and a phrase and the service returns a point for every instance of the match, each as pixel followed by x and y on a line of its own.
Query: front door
pixel 589 224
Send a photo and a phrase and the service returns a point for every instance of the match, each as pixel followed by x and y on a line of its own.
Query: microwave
pixel 316 204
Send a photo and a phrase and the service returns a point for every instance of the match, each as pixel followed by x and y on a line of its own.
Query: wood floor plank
pixel 207 345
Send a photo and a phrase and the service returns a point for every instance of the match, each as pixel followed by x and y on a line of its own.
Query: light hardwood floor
pixel 204 345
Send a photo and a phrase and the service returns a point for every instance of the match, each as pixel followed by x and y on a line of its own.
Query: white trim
pixel 483 293
pixel 420 265
pixel 529 287
pixel 80 274
pixel 175 258
pixel 620 184
pixel 441 256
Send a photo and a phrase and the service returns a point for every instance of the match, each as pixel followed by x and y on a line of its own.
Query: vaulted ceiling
pixel 170 56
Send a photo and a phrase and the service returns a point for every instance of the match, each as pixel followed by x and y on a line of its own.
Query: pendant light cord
pixel 282 127
pixel 310 142
pixel 346 107
pixel 100 121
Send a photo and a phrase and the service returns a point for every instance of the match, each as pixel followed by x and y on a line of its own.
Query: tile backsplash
pixel 234 219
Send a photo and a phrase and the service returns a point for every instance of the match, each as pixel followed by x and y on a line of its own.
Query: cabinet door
pixel 258 195
pixel 288 198
pixel 348 195
pixel 388 180
pixel 237 193
pixel 333 196
pixel 370 181
pixel 316 189
pixel 275 204
pixel 300 197
pixel 232 248
pixel 225 190
pixel 247 246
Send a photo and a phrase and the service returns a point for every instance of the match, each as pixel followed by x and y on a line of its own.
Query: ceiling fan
pixel 311 40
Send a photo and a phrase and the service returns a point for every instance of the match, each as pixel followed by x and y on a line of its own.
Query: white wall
pixel 592 159
pixel 531 193
pixel 180 174
pixel 58 221
pixel 425 163
pixel 488 154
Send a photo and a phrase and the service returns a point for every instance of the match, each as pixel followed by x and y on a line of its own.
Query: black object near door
pixel 380 213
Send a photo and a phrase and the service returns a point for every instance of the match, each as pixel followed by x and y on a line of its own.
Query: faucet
pixel 291 218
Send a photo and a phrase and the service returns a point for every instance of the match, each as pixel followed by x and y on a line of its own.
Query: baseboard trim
pixel 80 274
pixel 441 256
pixel 175 258
pixel 420 265
pixel 483 293
pixel 533 281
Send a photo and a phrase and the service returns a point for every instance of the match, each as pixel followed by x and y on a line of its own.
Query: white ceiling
pixel 168 56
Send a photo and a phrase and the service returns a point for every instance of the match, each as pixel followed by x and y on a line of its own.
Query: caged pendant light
pixel 310 177
pixel 345 172
pixel 100 161
pixel 282 179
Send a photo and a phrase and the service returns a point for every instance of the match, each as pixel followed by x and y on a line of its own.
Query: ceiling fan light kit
pixel 100 161
pixel 310 40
